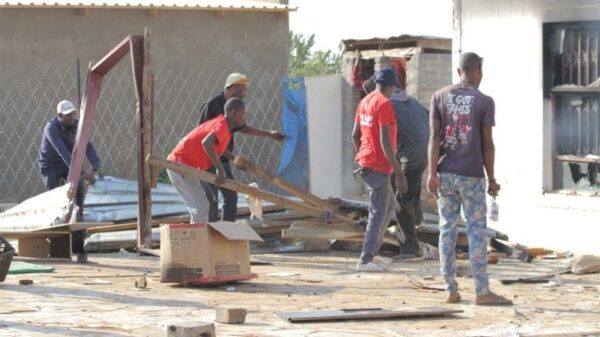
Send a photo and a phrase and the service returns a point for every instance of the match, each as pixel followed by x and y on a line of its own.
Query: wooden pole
pixel 325 216
pixel 260 172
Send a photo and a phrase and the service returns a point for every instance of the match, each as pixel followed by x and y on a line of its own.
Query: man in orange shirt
pixel 202 148
pixel 374 138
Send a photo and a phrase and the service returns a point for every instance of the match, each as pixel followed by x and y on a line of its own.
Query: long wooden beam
pixel 233 185
pixel 260 172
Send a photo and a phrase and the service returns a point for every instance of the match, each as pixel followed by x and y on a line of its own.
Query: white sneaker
pixel 369 267
pixel 382 261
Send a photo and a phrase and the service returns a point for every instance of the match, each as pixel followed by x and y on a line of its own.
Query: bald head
pixel 469 68
pixel 469 61
pixel 235 112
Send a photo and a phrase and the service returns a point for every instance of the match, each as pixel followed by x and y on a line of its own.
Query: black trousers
pixel 409 214
pixel 56 179
pixel 230 197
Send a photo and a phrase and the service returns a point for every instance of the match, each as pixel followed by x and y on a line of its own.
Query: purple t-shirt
pixel 463 112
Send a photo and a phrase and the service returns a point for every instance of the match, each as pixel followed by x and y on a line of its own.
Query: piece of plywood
pixel 364 313
pixel 34 247
pixel 235 231
pixel 311 230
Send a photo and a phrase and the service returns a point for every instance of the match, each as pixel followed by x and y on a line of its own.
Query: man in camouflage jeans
pixel 460 147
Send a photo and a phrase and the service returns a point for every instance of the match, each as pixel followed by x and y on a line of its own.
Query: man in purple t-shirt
pixel 460 147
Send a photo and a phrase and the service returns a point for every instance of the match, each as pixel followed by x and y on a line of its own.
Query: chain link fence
pixel 29 102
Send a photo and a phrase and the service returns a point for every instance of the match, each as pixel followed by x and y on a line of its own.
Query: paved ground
pixel 62 304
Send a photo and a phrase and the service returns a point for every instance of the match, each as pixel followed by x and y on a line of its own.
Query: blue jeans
pixel 468 192
pixel 381 210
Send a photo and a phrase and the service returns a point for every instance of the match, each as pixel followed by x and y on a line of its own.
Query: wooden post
pixel 233 185
pixel 140 58
pixel 147 141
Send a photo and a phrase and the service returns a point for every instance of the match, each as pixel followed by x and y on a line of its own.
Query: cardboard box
pixel 209 253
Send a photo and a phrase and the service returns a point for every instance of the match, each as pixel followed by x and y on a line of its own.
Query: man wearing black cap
pixel 460 147
pixel 374 136
pixel 412 120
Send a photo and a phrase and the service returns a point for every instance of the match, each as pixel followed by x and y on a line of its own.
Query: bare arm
pixel 489 154
pixel 209 146
pixel 252 131
pixel 356 137
pixel 433 181
pixel 434 145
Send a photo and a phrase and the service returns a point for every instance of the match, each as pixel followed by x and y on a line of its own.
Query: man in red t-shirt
pixel 202 148
pixel 374 138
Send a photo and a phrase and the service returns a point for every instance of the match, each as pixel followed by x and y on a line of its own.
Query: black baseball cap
pixel 386 76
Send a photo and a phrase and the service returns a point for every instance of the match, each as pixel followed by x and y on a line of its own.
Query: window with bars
pixel 572 82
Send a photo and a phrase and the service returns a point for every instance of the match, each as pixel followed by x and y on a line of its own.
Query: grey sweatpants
pixel 192 194
pixel 381 211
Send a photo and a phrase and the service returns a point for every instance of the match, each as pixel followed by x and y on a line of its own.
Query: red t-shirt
pixel 373 112
pixel 190 151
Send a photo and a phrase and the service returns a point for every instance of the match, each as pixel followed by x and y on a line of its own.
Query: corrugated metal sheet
pixel 218 5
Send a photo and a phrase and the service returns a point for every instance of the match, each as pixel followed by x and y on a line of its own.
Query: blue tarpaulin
pixel 293 165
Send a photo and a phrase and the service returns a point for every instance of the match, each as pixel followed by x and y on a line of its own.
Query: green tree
pixel 305 62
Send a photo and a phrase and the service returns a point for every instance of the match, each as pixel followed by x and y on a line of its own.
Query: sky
pixel 334 20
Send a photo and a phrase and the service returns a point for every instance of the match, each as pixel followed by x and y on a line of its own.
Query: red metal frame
pixel 143 80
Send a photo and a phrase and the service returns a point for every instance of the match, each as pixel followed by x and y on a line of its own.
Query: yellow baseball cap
pixel 236 78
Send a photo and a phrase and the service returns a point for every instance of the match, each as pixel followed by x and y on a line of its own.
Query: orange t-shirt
pixel 373 112
pixel 190 151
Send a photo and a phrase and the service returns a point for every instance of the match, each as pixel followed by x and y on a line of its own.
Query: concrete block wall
pixel 427 73
pixel 351 187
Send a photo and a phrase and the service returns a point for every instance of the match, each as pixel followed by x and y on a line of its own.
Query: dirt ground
pixel 99 299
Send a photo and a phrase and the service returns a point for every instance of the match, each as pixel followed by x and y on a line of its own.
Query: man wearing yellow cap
pixel 235 86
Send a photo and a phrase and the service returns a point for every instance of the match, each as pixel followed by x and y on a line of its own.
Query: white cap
pixel 65 107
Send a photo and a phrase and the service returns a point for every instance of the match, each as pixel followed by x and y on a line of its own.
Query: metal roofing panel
pixel 220 5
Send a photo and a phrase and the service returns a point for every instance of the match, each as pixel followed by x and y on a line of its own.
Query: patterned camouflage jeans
pixel 468 192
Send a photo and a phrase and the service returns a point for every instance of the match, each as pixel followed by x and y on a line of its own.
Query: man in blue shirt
pixel 54 157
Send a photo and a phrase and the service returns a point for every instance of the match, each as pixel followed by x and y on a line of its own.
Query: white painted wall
pixel 508 35
pixel 324 111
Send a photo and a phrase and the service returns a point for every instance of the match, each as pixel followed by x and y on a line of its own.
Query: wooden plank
pixel 364 313
pixel 205 176
pixel 443 44
pixel 133 225
pixel 146 115
pixel 311 230
pixel 149 251
pixel 534 279
pixel 32 235
pixel 576 159
pixel 260 172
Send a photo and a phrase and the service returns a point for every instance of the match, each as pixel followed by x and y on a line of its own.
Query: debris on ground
pixel 585 264
pixel 229 315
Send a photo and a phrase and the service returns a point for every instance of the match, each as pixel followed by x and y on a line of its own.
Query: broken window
pixel 572 82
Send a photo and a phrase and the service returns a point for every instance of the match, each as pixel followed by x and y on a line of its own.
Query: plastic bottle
pixel 494 210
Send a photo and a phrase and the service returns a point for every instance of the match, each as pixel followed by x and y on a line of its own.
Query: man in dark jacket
pixel 236 85
pixel 54 158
